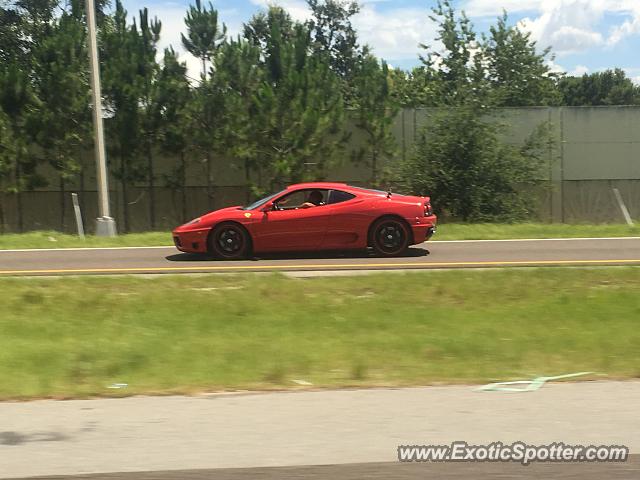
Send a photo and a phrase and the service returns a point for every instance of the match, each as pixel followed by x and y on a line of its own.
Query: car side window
pixel 302 199
pixel 338 196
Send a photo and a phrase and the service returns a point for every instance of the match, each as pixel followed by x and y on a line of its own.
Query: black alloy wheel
pixel 390 237
pixel 229 241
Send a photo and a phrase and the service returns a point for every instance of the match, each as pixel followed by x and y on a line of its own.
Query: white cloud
pixel 628 27
pixel 486 8
pixel 554 67
pixel 578 71
pixel 297 8
pixel 395 34
pixel 569 26
pixel 634 74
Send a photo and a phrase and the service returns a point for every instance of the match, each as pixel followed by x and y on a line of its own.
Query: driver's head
pixel 315 197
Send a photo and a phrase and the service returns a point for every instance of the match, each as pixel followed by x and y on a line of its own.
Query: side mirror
pixel 268 207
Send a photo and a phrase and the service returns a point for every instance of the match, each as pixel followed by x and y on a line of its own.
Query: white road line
pixel 73 249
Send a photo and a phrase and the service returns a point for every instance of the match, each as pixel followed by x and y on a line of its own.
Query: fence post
pixel 76 209
pixel 623 207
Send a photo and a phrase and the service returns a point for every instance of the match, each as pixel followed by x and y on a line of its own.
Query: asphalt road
pixel 353 433
pixel 389 471
pixel 461 254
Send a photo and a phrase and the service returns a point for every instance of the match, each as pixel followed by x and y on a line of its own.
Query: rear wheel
pixel 389 237
pixel 229 241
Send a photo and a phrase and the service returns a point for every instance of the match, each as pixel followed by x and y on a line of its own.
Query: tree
pixel 258 30
pixel 17 102
pixel 459 157
pixel 24 25
pixel 611 87
pixel 173 97
pixel 239 76
pixel 416 88
pixel 8 156
pixel 374 113
pixel 457 71
pixel 123 88
pixel 333 35
pixel 146 41
pixel 461 161
pixel 62 123
pixel 298 110
pixel 204 35
pixel 204 39
pixel 518 74
pixel 12 38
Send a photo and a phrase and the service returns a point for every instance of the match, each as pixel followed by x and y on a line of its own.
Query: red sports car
pixel 312 216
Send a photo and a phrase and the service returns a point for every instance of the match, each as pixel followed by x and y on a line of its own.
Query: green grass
pixel 52 239
pixel 450 231
pixel 72 337
pixel 497 231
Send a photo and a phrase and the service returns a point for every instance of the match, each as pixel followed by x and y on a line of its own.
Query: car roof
pixel 320 185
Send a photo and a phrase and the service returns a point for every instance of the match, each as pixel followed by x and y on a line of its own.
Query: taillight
pixel 428 211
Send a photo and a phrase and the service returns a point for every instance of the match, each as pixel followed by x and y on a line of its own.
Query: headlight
pixel 194 221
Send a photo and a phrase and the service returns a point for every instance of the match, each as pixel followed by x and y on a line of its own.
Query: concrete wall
pixel 596 149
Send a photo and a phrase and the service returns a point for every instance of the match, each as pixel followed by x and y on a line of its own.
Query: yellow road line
pixel 328 266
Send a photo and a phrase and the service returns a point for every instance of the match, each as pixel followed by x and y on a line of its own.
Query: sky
pixel 586 35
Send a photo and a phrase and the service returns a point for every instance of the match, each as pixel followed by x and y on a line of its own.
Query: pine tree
pixel 239 75
pixel 334 35
pixel 123 86
pixel 173 97
pixel 298 116
pixel 457 70
pixel 518 74
pixel 203 40
pixel 375 111
pixel 146 39
pixel 62 124
pixel 204 34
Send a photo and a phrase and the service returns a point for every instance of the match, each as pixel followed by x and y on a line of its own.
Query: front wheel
pixel 389 237
pixel 229 241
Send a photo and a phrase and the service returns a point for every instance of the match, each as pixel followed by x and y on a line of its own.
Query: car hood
pixel 217 214
pixel 208 219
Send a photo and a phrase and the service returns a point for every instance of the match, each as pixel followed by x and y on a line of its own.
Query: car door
pixel 348 222
pixel 290 226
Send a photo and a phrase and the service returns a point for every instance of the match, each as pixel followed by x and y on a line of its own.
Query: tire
pixel 389 237
pixel 229 241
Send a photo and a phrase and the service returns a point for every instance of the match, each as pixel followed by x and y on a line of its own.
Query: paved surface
pixel 341 428
pixel 392 471
pixel 465 254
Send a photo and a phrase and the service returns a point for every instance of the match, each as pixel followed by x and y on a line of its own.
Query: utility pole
pixel 105 224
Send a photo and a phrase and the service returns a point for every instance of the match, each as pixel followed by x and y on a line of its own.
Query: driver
pixel 314 200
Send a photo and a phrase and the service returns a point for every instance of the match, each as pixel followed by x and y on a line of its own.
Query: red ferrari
pixel 312 216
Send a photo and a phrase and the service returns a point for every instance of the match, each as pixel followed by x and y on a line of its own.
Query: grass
pixel 53 239
pixel 497 231
pixel 72 337
pixel 451 231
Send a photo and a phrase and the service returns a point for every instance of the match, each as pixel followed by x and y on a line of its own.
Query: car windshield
pixel 262 201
